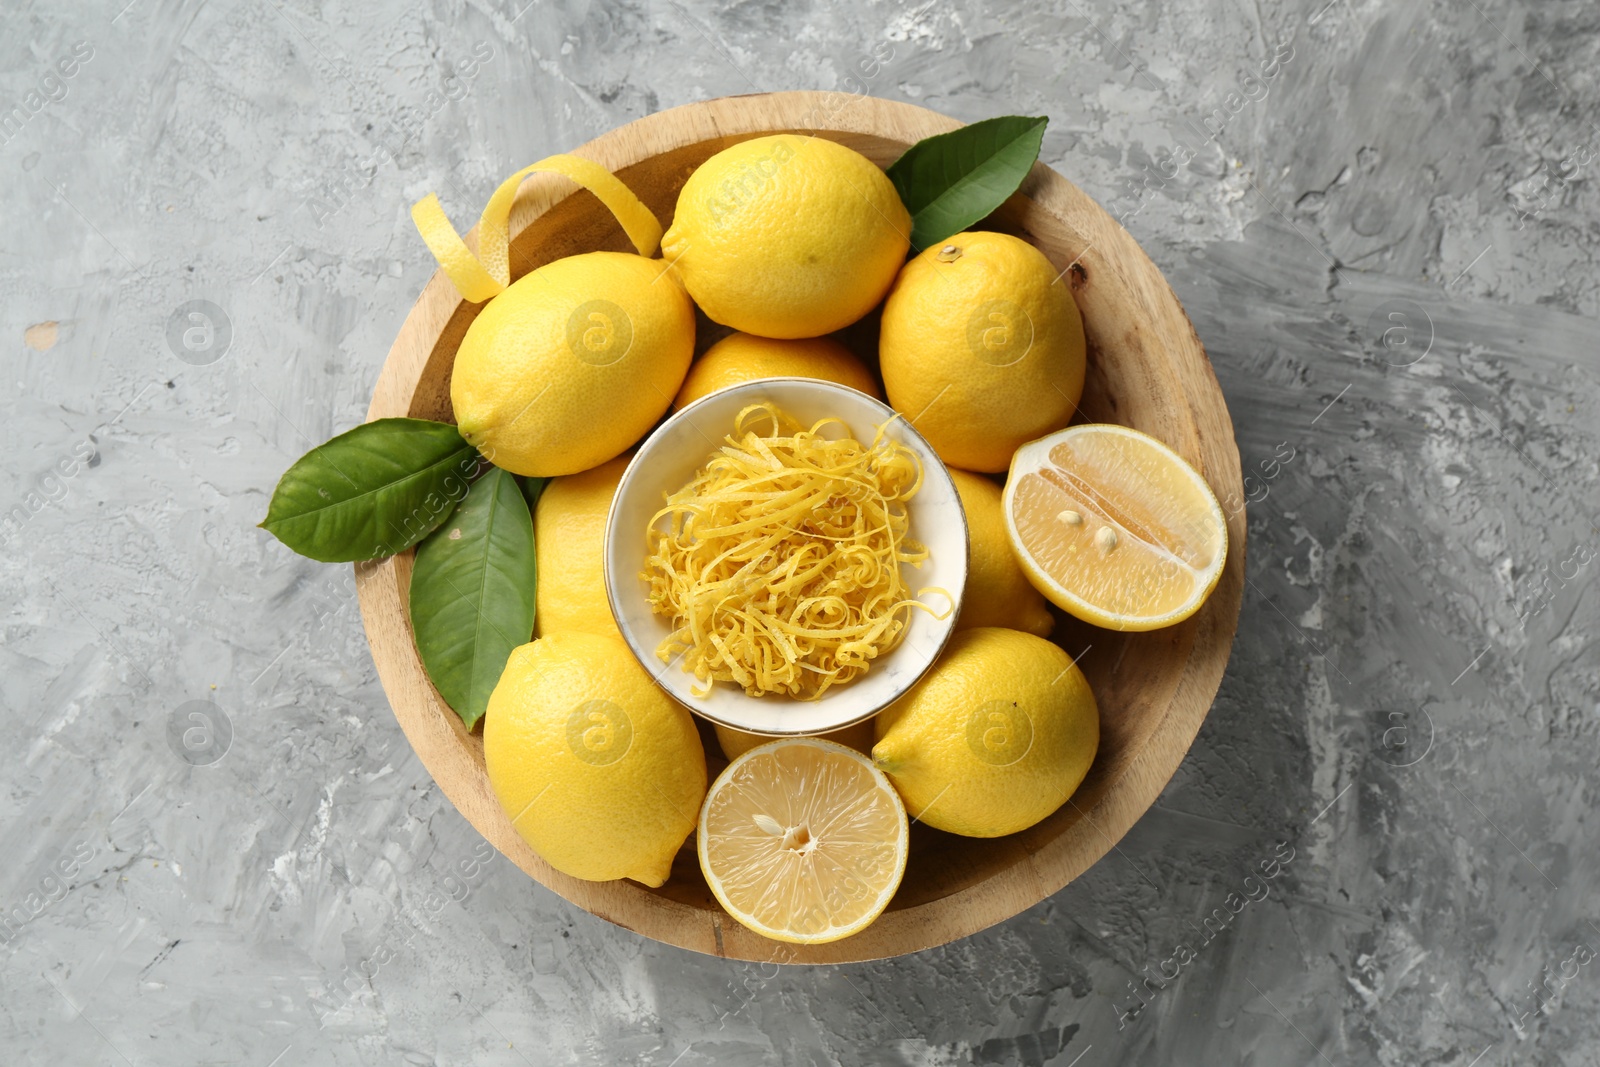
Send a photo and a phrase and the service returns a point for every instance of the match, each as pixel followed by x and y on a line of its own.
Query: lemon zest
pixel 482 275
pixel 780 561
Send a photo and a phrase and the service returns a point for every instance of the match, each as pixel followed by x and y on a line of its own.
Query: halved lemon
pixel 803 840
pixel 1114 527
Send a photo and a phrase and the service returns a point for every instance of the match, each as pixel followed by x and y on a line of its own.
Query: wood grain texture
pixel 1147 369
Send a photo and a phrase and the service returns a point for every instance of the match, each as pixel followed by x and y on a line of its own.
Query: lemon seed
pixel 1071 518
pixel 1106 538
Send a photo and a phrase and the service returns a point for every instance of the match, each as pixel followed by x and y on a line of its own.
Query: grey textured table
pixel 1381 217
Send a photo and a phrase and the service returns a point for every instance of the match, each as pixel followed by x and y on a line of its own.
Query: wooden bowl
pixel 1147 370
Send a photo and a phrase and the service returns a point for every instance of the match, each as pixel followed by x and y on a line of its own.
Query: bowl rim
pixel 950 509
pixel 1050 209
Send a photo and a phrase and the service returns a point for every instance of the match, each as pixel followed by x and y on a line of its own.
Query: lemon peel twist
pixel 482 276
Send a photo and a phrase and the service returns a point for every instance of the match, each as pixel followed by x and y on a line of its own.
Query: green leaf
pixel 532 487
pixel 952 180
pixel 373 491
pixel 472 593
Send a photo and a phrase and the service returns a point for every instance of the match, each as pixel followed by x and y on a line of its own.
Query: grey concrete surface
pixel 1383 220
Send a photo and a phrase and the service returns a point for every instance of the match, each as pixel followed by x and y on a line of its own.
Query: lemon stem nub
pixel 482 275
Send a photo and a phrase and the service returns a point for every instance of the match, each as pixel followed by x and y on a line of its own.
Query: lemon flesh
pixel 994 738
pixel 803 841
pixel 600 772
pixel 787 236
pixel 1115 527
pixel 573 363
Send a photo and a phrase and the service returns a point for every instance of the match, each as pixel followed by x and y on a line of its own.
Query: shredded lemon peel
pixel 779 563
pixel 482 275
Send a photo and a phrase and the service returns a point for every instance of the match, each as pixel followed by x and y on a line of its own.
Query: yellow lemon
pixel 569 539
pixel 573 363
pixel 998 593
pixel 599 770
pixel 1115 527
pixel 736 743
pixel 744 357
pixel 803 841
pixel 982 348
pixel 994 738
pixel 788 236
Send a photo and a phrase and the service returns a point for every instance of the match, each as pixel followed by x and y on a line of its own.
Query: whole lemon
pixel 994 738
pixel 600 771
pixel 569 540
pixel 998 592
pixel 572 363
pixel 744 357
pixel 736 743
pixel 788 236
pixel 982 348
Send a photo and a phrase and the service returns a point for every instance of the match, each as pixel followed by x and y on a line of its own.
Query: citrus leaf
pixel 953 179
pixel 531 487
pixel 372 491
pixel 472 593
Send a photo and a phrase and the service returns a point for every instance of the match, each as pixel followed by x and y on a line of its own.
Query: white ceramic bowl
pixel 680 447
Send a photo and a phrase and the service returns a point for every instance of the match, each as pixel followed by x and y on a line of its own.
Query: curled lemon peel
pixel 780 561
pixel 482 275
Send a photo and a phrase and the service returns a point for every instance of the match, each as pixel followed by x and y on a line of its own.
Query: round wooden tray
pixel 1147 370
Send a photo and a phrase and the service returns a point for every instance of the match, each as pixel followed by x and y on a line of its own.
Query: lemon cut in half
pixel 1114 527
pixel 803 840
